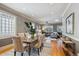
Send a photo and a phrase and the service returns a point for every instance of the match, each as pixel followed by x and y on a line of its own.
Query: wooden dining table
pixel 30 42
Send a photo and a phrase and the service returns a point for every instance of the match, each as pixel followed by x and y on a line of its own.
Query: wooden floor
pixel 6 48
pixel 55 51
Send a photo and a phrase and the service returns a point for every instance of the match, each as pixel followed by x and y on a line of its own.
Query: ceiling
pixel 41 12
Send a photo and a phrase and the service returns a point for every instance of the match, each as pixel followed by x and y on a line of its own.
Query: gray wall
pixel 4 42
pixel 55 27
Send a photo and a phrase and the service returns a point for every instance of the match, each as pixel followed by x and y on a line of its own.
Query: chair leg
pixel 21 53
pixel 41 47
pixel 14 53
pixel 38 51
pixel 28 52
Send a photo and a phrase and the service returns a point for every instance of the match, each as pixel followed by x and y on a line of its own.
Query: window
pixel 7 24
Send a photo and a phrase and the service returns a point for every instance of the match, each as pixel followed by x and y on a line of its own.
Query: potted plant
pixel 31 29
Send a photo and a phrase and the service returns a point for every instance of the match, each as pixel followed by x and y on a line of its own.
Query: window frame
pixel 9 23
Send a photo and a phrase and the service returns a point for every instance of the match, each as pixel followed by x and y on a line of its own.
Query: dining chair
pixel 38 45
pixel 35 36
pixel 18 46
pixel 26 35
pixel 42 40
pixel 22 35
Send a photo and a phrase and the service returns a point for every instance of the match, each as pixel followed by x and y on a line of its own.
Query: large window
pixel 7 23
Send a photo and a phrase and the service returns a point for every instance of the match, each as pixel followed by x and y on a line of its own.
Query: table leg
pixel 29 49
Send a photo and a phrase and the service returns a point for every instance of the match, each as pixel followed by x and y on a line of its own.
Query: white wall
pixel 72 8
pixel 20 26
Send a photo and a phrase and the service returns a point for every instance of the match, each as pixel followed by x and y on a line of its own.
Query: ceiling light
pixel 56 20
pixel 24 8
pixel 51 3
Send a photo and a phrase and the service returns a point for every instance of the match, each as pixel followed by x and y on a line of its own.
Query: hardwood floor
pixel 55 51
pixel 6 48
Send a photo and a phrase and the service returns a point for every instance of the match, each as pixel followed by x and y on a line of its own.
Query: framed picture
pixel 70 24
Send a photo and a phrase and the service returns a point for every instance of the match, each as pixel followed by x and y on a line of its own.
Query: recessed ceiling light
pixel 51 3
pixel 24 8
pixel 56 20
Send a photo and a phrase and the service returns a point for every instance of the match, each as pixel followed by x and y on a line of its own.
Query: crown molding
pixel 16 13
pixel 66 9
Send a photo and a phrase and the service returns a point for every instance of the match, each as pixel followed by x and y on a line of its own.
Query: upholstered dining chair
pixel 18 46
pixel 38 45
pixel 26 35
pixel 42 40
pixel 22 35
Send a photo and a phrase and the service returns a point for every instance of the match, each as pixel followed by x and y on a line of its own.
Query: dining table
pixel 30 43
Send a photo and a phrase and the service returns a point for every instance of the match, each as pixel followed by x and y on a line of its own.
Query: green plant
pixel 31 29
